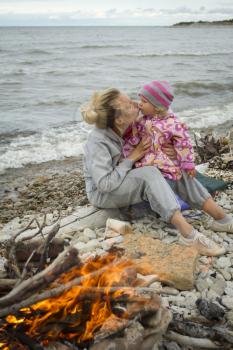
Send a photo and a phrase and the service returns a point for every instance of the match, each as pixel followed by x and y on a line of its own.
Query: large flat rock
pixel 170 262
pixel 80 219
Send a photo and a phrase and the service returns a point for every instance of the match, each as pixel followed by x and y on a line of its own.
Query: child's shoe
pixel 220 227
pixel 203 244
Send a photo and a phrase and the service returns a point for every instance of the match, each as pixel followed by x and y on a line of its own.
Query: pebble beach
pixel 60 190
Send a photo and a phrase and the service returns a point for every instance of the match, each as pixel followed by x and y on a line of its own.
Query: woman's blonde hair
pixel 102 109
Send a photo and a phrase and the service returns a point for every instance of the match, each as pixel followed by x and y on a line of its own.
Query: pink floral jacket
pixel 163 131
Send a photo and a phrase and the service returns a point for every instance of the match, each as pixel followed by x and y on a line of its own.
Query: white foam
pixel 184 53
pixel 51 144
pixel 62 142
pixel 207 117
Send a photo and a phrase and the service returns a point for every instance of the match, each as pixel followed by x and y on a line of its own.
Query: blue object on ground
pixel 183 204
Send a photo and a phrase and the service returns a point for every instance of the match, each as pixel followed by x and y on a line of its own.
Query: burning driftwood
pixel 64 262
pixel 72 303
pixel 102 303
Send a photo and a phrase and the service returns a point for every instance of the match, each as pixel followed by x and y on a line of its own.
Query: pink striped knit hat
pixel 158 93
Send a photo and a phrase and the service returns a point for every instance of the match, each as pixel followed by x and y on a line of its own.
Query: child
pixel 165 129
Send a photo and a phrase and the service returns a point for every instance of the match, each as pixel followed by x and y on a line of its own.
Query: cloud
pixel 227 3
pixel 178 10
pixel 73 15
pixel 72 10
pixel 223 11
pixel 131 13
pixel 201 11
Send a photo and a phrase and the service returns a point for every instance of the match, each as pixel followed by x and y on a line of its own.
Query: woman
pixel 111 181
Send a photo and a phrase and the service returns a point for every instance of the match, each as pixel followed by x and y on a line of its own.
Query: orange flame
pixel 73 315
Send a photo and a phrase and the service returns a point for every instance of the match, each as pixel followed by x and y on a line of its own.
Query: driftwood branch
pixel 199 343
pixel 24 229
pixel 25 249
pixel 24 339
pixel 137 295
pixel 12 260
pixel 211 147
pixel 62 263
pixel 47 243
pixel 40 230
pixel 7 283
pixel 11 245
pixel 80 217
pixel 16 294
pixel 111 325
pixel 197 330
pixel 24 272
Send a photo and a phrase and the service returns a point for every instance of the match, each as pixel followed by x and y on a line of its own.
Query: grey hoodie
pixel 104 169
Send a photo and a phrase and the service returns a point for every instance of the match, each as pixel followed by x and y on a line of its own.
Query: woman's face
pixel 129 110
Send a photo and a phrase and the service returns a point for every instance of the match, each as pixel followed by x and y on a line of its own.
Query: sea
pixel 46 73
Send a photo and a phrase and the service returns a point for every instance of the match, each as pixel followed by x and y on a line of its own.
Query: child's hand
pixel 191 172
pixel 170 152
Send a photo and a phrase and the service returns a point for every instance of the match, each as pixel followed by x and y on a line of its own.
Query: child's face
pixel 146 107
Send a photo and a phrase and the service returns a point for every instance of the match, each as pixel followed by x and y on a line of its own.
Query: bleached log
pixel 7 283
pixel 199 343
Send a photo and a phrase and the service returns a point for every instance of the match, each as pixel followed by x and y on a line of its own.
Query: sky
pixel 108 12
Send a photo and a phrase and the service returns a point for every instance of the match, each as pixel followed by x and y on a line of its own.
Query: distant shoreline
pixel 227 22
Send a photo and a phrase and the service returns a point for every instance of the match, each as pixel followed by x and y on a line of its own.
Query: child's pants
pixel 147 183
pixel 190 190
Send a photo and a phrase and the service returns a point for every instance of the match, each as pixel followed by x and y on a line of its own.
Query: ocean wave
pixel 176 54
pixel 15 72
pixel 199 88
pixel 55 102
pixel 102 46
pixel 38 51
pixel 208 117
pixel 67 141
pixel 27 62
pixel 51 144
pixel 6 51
pixel 6 137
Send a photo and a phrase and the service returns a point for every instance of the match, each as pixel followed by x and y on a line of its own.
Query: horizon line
pixel 84 25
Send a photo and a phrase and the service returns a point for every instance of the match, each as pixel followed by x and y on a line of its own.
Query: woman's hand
pixel 140 150
pixel 170 152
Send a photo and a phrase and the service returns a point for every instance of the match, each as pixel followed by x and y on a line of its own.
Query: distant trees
pixel 223 22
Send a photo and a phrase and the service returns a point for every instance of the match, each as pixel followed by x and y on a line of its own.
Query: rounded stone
pixel 229 288
pixel 89 233
pixel 223 262
pixel 228 302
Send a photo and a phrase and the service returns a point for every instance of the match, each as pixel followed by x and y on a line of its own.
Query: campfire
pixel 83 305
pixel 56 297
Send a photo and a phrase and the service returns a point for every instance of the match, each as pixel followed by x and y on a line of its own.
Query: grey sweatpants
pixel 147 183
pixel 190 190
